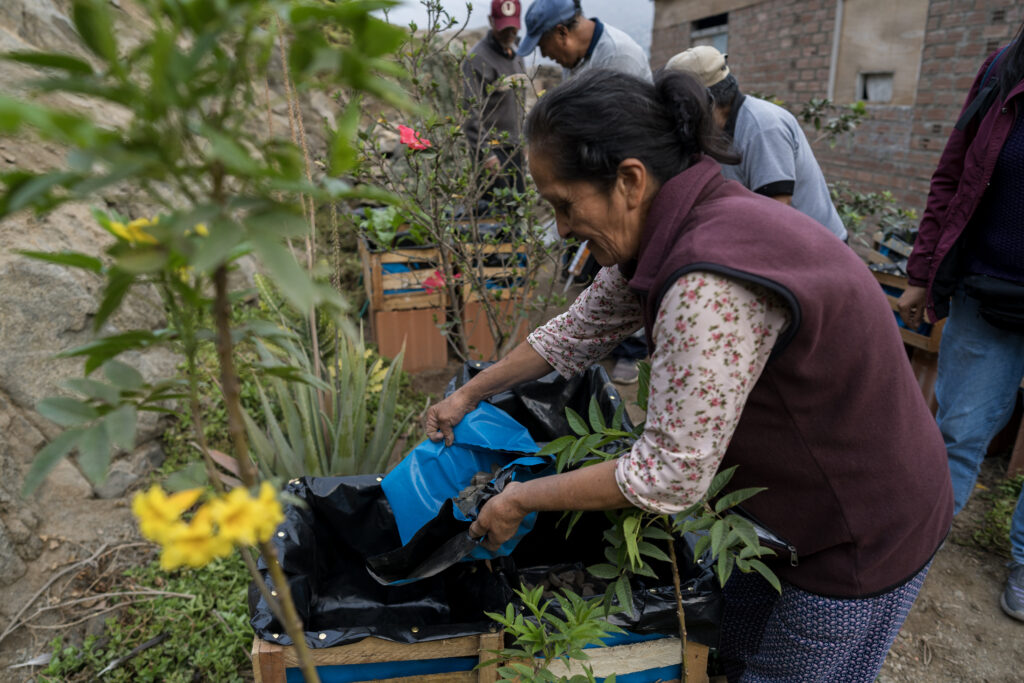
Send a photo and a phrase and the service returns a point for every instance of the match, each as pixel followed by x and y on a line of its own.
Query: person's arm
pixel 521 365
pixel 714 338
pixel 602 315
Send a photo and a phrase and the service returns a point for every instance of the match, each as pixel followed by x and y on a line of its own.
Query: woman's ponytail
pixel 689 104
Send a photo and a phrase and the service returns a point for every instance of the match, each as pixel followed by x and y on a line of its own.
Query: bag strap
pixel 982 102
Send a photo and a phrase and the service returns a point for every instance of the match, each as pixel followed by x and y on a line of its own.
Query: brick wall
pixel 784 47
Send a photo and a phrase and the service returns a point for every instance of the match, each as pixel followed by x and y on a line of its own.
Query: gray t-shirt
pixel 614 50
pixel 776 154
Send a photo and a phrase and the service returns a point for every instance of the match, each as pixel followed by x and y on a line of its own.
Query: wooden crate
pixel 274 663
pixel 394 279
pixel 479 337
pixel 505 277
pixel 417 330
pixel 927 342
pixel 644 662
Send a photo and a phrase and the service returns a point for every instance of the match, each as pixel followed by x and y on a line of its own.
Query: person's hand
pixel 911 305
pixel 441 417
pixel 499 518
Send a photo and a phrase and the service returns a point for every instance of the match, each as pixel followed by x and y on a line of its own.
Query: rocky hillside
pixel 46 309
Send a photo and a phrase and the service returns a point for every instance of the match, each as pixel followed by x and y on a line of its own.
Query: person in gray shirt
pixel 777 159
pixel 577 43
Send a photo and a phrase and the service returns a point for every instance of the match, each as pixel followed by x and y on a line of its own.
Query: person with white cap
pixel 577 43
pixel 777 158
pixel 495 79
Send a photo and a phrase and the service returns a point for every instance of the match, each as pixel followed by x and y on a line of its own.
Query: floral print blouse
pixel 714 335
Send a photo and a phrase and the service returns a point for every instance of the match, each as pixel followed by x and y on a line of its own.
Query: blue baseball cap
pixel 543 16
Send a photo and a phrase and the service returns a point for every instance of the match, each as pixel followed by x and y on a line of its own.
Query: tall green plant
pixel 636 537
pixel 342 422
pixel 543 640
pixel 190 141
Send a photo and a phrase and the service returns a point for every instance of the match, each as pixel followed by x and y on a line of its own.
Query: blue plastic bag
pixel 433 472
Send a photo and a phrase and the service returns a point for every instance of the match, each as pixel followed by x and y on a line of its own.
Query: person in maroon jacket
pixel 758 319
pixel 972 236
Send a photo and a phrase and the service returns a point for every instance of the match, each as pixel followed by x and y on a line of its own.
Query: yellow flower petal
pixel 157 512
pixel 119 229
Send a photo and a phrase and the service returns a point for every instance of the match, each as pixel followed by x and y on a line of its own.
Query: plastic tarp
pixel 324 548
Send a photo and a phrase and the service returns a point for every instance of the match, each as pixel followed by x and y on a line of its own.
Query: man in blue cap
pixel 563 34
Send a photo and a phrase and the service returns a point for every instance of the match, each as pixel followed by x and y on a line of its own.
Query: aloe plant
pixel 338 420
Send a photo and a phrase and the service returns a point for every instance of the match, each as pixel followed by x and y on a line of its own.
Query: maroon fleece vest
pixel 836 426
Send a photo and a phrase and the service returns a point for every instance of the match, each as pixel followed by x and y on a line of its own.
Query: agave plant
pixel 328 405
pixel 338 421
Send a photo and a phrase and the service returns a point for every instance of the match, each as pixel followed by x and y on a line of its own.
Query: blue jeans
pixel 980 369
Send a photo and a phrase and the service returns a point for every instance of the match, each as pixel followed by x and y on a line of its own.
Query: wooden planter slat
pixel 383 288
pixel 498 274
pixel 271 661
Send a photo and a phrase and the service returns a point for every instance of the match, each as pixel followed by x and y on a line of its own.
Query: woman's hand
pixel 499 518
pixel 441 417
pixel 911 305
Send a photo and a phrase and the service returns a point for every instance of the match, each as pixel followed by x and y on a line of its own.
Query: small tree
pixel 191 143
pixel 441 185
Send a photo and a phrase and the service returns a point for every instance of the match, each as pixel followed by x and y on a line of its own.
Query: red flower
pixel 407 136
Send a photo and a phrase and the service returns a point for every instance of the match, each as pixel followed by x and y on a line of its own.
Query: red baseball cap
pixel 505 13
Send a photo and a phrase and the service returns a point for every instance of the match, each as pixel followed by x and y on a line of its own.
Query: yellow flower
pixel 202 230
pixel 243 519
pixel 157 511
pixel 268 513
pixel 134 232
pixel 193 544
pixel 233 515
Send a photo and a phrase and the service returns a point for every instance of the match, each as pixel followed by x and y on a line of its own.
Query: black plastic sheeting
pixel 540 405
pixel 324 548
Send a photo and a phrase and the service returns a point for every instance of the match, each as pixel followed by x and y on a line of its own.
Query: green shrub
pixel 994 534
pixel 208 636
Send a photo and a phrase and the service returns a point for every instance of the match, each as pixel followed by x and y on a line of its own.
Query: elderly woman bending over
pixel 773 349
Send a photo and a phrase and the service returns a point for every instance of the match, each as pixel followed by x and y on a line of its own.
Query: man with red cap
pixel 495 95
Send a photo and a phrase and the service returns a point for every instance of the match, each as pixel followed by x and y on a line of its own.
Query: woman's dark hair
pixel 589 125
pixel 1011 64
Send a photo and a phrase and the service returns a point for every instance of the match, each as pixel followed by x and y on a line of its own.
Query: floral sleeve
pixel 713 337
pixel 604 313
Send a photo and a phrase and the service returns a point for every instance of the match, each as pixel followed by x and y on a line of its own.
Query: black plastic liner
pixel 540 405
pixel 324 548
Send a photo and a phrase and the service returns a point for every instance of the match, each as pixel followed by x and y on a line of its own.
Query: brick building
pixel 912 61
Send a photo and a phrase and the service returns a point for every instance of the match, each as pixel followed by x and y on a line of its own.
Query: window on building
pixel 875 87
pixel 713 31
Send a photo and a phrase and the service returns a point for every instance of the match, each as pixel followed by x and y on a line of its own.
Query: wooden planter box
pixel 381 661
pixel 401 310
pixel 504 269
pixel 504 266
pixel 453 661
